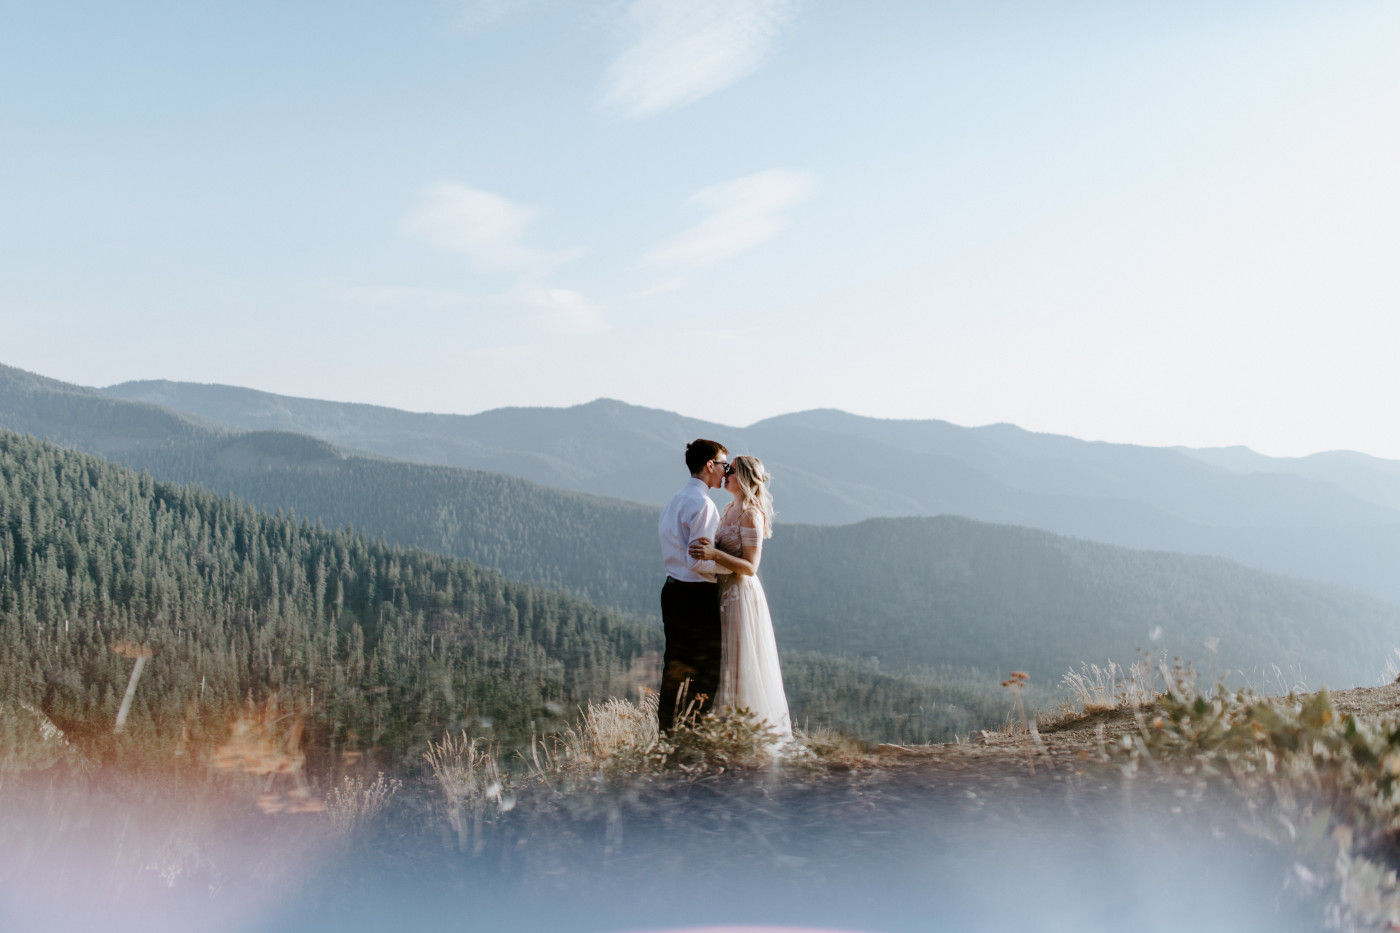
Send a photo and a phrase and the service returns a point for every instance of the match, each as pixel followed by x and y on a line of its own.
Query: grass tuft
pixel 1107 688
pixel 471 781
pixel 356 803
pixel 616 733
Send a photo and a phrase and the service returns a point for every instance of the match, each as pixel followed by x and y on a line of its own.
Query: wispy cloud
pixel 679 51
pixel 490 230
pixel 486 227
pixel 563 312
pixel 741 214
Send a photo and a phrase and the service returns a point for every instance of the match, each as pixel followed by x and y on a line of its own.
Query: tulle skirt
pixel 750 676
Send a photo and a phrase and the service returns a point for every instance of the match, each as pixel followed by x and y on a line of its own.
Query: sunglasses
pixel 728 469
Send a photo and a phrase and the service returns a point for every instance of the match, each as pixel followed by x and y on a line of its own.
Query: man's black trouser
pixel 690 613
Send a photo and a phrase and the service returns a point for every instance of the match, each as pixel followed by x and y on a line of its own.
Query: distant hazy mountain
pixel 1370 478
pixel 1329 517
pixel 84 419
pixel 913 591
pixel 847 467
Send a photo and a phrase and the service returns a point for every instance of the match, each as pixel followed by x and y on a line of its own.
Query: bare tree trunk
pixel 130 692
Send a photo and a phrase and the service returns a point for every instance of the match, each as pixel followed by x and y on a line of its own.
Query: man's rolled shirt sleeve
pixel 704 525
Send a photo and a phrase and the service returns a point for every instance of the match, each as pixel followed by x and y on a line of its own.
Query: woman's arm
pixel 747 564
pixel 702 550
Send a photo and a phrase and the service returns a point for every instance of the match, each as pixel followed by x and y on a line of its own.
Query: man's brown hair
pixel 700 452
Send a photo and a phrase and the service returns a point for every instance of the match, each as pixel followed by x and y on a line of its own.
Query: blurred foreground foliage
pixel 1323 785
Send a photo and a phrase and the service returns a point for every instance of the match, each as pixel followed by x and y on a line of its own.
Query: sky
pixel 1149 223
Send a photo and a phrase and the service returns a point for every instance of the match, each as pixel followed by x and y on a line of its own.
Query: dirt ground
pixel 1074 746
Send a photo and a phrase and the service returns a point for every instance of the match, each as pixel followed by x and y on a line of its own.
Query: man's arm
pixel 751 541
pixel 703 526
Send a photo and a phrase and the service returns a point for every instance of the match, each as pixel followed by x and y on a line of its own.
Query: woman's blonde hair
pixel 754 480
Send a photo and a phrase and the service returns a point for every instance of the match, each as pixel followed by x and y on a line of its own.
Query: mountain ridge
pixel 1332 518
pixel 1001 446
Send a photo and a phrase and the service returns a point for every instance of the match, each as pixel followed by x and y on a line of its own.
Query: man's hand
pixel 702 549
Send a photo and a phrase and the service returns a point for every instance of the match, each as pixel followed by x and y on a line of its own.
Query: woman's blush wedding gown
pixel 750 677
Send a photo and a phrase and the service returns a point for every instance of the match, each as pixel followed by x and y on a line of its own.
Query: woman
pixel 750 677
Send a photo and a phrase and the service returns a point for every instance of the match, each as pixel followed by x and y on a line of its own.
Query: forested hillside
pixel 387 645
pixel 954 591
pixel 600 549
pixel 914 591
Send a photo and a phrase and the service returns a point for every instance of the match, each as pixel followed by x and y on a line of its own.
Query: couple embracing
pixel 719 635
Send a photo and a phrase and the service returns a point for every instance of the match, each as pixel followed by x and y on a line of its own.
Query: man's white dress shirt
pixel 689 516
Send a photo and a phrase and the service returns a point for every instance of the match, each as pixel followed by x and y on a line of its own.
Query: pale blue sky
pixel 1143 222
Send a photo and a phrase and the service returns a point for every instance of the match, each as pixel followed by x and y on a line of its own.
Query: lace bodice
pixel 731 536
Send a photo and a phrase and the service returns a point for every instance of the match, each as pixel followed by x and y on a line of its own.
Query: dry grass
pixel 1098 689
pixel 1391 674
pixel 617 737
pixel 618 740
pixel 832 747
pixel 471 781
pixel 614 731
pixel 356 803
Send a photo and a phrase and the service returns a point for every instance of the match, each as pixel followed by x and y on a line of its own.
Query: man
pixel 690 598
